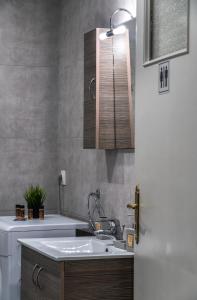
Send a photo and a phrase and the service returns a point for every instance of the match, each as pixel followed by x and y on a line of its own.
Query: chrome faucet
pixel 118 231
pixel 114 230
pixel 97 208
pixel 109 227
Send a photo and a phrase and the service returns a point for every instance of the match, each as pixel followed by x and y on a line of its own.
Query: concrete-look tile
pixel 20 169
pixel 64 81
pixel 29 32
pixel 82 175
pixel 9 145
pixel 41 109
pixel 24 128
pixel 29 53
pixel 32 85
pixel 115 199
pixel 71 103
pixel 64 152
pixel 112 171
pixel 115 167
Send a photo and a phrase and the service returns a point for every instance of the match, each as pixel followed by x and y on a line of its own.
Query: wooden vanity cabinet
pixel 103 279
pixel 108 122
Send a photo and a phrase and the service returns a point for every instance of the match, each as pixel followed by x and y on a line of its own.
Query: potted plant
pixel 35 197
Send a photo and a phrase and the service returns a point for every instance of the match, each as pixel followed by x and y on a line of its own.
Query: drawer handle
pixel 37 277
pixel 33 272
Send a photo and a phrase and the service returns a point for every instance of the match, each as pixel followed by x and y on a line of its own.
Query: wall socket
pixel 62 178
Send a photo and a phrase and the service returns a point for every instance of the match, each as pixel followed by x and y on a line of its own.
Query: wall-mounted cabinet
pixel 108 122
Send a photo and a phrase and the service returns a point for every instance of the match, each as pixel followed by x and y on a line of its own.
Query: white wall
pixel 166 161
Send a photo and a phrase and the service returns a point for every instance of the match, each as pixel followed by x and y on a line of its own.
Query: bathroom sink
pixel 74 248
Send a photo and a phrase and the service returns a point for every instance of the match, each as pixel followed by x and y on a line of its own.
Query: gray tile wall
pixel 111 171
pixel 41 107
pixel 28 99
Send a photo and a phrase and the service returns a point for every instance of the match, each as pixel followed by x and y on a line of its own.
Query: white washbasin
pixel 74 248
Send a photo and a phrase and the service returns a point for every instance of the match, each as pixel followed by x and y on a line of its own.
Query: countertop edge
pixel 75 258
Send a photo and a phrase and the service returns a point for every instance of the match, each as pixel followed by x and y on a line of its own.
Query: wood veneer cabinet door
pixel 108 120
pixel 48 284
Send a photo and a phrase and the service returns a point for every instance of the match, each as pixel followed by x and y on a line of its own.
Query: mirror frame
pixel 147 38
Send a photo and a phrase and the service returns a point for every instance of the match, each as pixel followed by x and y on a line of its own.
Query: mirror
pixel 165 30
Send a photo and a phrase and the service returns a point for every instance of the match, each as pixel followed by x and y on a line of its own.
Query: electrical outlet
pixel 63 180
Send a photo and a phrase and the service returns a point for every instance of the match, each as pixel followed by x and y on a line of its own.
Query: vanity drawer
pixel 106 266
pixel 99 279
